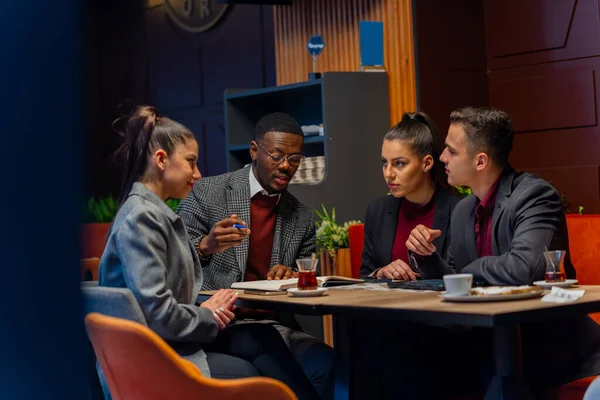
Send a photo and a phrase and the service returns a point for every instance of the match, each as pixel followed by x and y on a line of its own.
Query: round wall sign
pixel 195 15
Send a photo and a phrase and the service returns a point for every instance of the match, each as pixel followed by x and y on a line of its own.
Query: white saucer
pixel 307 293
pixel 469 298
pixel 564 284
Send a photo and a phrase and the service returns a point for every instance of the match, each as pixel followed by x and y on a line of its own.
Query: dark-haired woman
pixel 409 156
pixel 393 363
pixel 149 252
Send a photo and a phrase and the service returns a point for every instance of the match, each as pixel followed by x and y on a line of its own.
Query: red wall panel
pixel 568 181
pixel 540 31
pixel 543 59
pixel 545 99
pixel 451 57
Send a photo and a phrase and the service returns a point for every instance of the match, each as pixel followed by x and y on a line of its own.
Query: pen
pixel 239 226
pixel 415 265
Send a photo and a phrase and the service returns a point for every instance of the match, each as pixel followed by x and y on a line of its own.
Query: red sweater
pixel 263 215
pixel 484 213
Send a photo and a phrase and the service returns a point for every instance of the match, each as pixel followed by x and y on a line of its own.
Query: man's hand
pixel 224 235
pixel 398 270
pixel 281 272
pixel 420 240
pixel 222 307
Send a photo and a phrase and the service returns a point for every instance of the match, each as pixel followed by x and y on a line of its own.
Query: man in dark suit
pixel 278 230
pixel 499 234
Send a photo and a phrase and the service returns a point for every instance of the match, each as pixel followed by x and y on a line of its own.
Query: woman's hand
pixel 397 270
pixel 222 306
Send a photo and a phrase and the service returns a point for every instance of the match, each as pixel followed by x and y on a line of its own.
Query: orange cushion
pixel 584 243
pixel 573 390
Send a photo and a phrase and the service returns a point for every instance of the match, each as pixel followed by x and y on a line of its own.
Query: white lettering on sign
pixel 188 8
pixel 315 46
pixel 204 10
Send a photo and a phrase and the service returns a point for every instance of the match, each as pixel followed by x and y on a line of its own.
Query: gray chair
pixel 114 302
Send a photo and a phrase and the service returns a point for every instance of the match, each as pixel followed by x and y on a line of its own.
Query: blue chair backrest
pixel 114 302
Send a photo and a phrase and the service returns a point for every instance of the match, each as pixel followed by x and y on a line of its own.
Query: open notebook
pixel 325 281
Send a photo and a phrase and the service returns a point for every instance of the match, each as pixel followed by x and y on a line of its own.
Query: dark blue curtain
pixel 41 119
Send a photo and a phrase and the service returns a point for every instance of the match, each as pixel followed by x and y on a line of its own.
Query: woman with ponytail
pixel 148 251
pixel 409 157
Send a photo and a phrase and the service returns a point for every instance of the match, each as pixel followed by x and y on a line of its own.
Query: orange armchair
pixel 584 231
pixel 88 269
pixel 138 364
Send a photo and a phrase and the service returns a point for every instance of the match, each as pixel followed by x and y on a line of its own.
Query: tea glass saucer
pixel 307 293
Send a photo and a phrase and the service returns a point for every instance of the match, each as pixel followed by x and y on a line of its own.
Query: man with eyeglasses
pixel 246 226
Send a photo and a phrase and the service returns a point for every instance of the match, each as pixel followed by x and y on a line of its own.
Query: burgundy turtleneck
pixel 409 216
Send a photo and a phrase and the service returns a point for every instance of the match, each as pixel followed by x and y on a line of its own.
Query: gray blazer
pixel 216 198
pixel 528 216
pixel 148 252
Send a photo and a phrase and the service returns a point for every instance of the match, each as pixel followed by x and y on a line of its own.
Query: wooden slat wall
pixel 338 22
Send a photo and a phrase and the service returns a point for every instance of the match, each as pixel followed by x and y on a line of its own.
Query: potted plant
pixel 332 242
pixel 98 214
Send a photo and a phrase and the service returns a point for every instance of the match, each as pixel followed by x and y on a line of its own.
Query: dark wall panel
pixel 540 31
pixel 174 73
pixel 543 65
pixel 450 34
pixel 451 62
pixel 137 52
pixel 533 26
pixel 530 97
pixel 444 91
pixel 580 185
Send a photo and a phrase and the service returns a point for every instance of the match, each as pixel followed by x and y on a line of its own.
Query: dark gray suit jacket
pixel 148 252
pixel 380 229
pixel 528 217
pixel 216 198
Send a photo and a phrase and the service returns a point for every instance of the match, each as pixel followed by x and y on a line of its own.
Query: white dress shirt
pixel 256 187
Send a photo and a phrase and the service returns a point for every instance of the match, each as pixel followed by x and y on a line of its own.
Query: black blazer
pixel 380 229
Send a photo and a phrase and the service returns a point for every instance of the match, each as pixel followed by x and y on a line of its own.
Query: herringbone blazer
pixel 216 198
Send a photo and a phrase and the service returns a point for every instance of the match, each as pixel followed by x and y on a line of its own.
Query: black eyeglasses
pixel 278 158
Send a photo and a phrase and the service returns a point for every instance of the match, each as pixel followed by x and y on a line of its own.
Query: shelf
pixel 354 109
pixel 272 90
pixel 307 140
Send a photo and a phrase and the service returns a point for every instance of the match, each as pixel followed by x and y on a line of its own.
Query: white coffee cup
pixel 458 284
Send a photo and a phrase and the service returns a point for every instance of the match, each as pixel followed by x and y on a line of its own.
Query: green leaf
pixel 463 190
pixel 98 210
pixel 319 215
pixel 173 203
pixel 325 211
